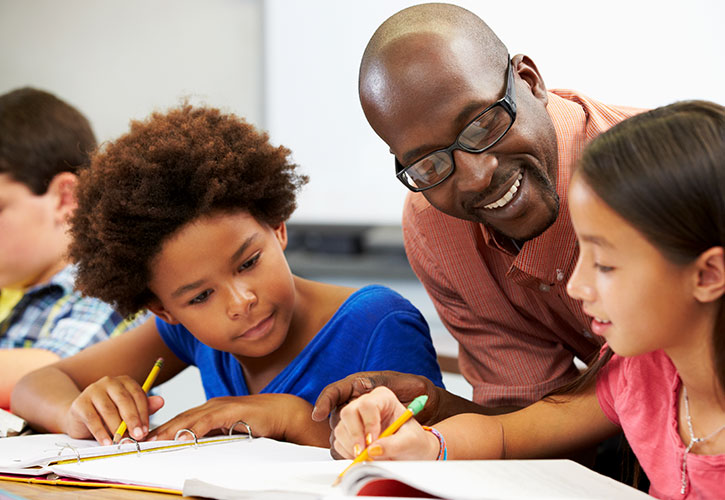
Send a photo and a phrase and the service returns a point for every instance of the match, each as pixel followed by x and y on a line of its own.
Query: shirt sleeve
pixel 179 340
pixel 401 342
pixel 81 323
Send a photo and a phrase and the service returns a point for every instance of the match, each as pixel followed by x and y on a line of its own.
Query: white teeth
pixel 601 320
pixel 506 197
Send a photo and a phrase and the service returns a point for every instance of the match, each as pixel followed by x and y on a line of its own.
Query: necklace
pixel 693 440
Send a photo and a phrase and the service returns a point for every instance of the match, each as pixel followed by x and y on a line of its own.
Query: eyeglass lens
pixel 484 131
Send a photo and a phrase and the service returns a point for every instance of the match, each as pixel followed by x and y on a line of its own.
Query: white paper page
pixel 510 479
pixel 169 469
pixel 502 479
pixel 37 449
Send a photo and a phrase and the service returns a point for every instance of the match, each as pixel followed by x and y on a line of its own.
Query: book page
pixel 170 468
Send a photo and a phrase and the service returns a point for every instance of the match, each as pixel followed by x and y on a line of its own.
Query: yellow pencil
pixel 146 386
pixel 413 408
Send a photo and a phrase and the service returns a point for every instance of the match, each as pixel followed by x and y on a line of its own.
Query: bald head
pixel 439 23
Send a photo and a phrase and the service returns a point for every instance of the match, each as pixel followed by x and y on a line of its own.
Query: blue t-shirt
pixel 374 329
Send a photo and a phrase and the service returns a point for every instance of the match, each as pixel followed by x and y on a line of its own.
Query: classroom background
pixel 290 67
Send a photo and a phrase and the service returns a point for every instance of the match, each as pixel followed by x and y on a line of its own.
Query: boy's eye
pixel 202 297
pixel 603 269
pixel 248 263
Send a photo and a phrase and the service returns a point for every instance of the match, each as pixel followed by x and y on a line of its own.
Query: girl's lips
pixel 258 330
pixel 600 327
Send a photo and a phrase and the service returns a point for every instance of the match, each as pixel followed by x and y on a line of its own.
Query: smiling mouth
pixel 508 196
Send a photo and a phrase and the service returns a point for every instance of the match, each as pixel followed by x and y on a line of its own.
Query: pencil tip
pixel 336 482
pixel 116 438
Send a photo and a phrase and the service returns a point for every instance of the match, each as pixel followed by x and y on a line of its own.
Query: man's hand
pixel 406 387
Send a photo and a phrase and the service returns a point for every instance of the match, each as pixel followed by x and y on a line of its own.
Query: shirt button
pixel 559 275
pixel 587 334
pixel 544 287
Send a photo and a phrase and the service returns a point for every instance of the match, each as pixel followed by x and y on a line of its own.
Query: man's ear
pixel 280 232
pixel 156 307
pixel 529 73
pixel 710 268
pixel 62 188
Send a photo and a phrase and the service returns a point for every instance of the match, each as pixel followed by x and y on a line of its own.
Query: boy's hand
pixel 279 416
pixel 362 421
pixel 100 408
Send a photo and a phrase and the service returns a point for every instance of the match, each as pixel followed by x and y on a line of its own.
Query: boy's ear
pixel 62 188
pixel 156 307
pixel 281 233
pixel 710 267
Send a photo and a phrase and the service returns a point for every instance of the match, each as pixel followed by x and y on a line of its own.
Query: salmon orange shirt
pixel 518 330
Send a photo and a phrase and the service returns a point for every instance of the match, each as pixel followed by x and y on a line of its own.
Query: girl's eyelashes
pixel 248 263
pixel 602 268
pixel 202 297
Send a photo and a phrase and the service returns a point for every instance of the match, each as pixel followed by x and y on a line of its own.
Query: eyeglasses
pixel 480 134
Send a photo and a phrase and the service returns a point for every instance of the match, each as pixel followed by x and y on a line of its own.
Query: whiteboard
pixel 641 53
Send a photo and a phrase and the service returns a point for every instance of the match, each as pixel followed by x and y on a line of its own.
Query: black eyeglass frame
pixel 507 102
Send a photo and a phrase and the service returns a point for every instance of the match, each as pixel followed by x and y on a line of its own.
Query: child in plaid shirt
pixel 43 144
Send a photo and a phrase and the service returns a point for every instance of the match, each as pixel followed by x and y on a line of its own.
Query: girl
pixel 185 215
pixel 648 208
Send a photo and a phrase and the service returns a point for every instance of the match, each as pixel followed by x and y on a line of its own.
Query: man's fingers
pixel 339 393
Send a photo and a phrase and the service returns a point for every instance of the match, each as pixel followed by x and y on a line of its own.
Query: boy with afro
pixel 44 144
pixel 185 215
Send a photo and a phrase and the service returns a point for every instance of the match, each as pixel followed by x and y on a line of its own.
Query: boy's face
pixel 32 235
pixel 226 279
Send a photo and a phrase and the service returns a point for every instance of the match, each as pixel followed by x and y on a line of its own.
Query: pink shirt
pixel 641 394
pixel 518 330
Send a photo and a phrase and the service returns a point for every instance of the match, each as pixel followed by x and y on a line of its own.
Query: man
pixel 487 152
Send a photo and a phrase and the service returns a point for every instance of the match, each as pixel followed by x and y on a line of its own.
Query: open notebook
pixel 237 467
pixel 154 465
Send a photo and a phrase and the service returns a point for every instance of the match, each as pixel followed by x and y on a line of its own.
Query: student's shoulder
pixel 378 299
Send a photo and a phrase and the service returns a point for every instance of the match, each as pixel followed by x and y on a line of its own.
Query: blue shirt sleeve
pixel 401 342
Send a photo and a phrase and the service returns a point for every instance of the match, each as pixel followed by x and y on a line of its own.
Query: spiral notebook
pixel 154 466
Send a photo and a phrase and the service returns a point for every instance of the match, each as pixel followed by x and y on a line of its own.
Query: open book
pixel 237 467
pixel 153 465
pixel 473 479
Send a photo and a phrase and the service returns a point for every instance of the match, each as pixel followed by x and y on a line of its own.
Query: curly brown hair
pixel 166 172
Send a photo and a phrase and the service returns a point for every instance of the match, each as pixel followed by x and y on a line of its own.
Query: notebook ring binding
pixel 246 426
pixel 128 438
pixel 73 448
pixel 181 431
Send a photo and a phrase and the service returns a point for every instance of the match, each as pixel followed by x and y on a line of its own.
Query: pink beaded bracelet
pixel 442 450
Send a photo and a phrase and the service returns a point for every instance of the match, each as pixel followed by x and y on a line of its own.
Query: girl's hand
pixel 100 408
pixel 362 421
pixel 279 416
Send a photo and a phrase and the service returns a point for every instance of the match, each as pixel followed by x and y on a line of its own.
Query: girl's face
pixel 638 300
pixel 226 279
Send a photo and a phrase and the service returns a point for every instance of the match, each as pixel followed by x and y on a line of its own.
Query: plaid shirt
pixel 55 317
pixel 518 330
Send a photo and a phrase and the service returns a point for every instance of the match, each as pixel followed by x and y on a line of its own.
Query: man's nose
pixel 474 171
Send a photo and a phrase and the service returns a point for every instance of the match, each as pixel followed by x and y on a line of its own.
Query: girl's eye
pixel 202 297
pixel 603 269
pixel 248 263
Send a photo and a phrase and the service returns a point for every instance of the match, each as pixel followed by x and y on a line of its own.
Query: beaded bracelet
pixel 442 450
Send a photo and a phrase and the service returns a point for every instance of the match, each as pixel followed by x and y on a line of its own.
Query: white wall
pixel 296 73
pixel 636 52
pixel 121 59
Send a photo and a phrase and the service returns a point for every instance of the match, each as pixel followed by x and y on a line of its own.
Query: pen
pixel 413 408
pixel 145 387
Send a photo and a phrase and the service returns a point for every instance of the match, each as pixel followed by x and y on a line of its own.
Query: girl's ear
pixel 156 307
pixel 281 233
pixel 710 267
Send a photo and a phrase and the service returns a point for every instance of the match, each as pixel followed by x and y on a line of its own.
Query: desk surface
pixel 46 492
